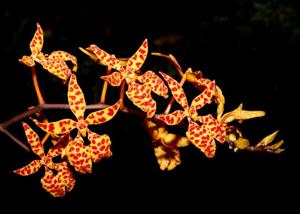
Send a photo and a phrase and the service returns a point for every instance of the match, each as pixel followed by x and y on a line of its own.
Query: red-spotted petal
pixel 30 168
pixel 206 96
pixel 34 141
pixel 216 129
pixel 65 174
pixel 58 68
pixel 53 184
pixel 113 79
pixel 156 84
pixel 200 137
pixel 79 156
pixel 136 61
pixel 99 146
pixel 37 41
pixel 141 97
pixel 103 115
pixel 64 56
pixel 59 127
pixel 177 91
pixel 106 59
pixel 55 151
pixel 76 98
pixel 172 119
pixel 27 60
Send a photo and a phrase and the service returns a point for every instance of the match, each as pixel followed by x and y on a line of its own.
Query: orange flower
pixel 139 94
pixel 61 183
pixel 54 63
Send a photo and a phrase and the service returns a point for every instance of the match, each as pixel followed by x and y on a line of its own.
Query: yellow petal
pixel 52 184
pixel 30 168
pixel 155 83
pixel 90 53
pixel 114 79
pixel 105 58
pixel 99 147
pixel 79 156
pixel 240 114
pixel 268 139
pixel 76 98
pixel 173 140
pixel 59 127
pixel 64 56
pixel 27 60
pixel 141 97
pixel 136 61
pixel 172 119
pixel 58 68
pixel 34 141
pixel 103 115
pixel 167 158
pixel 176 90
pixel 201 138
pixel 220 101
pixel 277 145
pixel 37 41
pixel 205 97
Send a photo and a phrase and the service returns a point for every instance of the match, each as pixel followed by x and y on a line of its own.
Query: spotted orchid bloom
pixel 81 156
pixel 139 94
pixel 61 183
pixel 204 142
pixel 55 63
pixel 189 111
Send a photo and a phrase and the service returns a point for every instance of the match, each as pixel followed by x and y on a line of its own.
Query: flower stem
pixel 104 89
pixel 16 140
pixel 36 86
pixel 35 109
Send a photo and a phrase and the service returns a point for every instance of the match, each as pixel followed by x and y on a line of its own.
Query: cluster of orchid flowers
pixel 202 130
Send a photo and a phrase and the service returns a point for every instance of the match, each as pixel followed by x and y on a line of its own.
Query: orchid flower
pixel 54 63
pixel 165 145
pixel 128 69
pixel 196 134
pixel 81 156
pixel 60 183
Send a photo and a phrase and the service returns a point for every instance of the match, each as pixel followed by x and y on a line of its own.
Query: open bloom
pixel 54 63
pixel 79 155
pixel 139 85
pixel 201 139
pixel 57 185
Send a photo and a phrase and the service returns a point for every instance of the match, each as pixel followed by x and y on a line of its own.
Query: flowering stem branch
pixel 35 109
pixel 16 140
pixel 104 89
pixel 36 86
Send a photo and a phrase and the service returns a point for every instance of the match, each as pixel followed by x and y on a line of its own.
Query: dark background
pixel 249 47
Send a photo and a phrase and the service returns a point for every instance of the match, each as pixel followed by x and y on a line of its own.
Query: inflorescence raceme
pixel 202 131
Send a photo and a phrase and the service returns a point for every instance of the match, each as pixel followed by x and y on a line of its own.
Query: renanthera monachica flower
pixel 54 63
pixel 58 183
pixel 79 155
pixel 139 85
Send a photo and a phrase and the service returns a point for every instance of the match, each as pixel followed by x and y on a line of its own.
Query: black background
pixel 249 47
